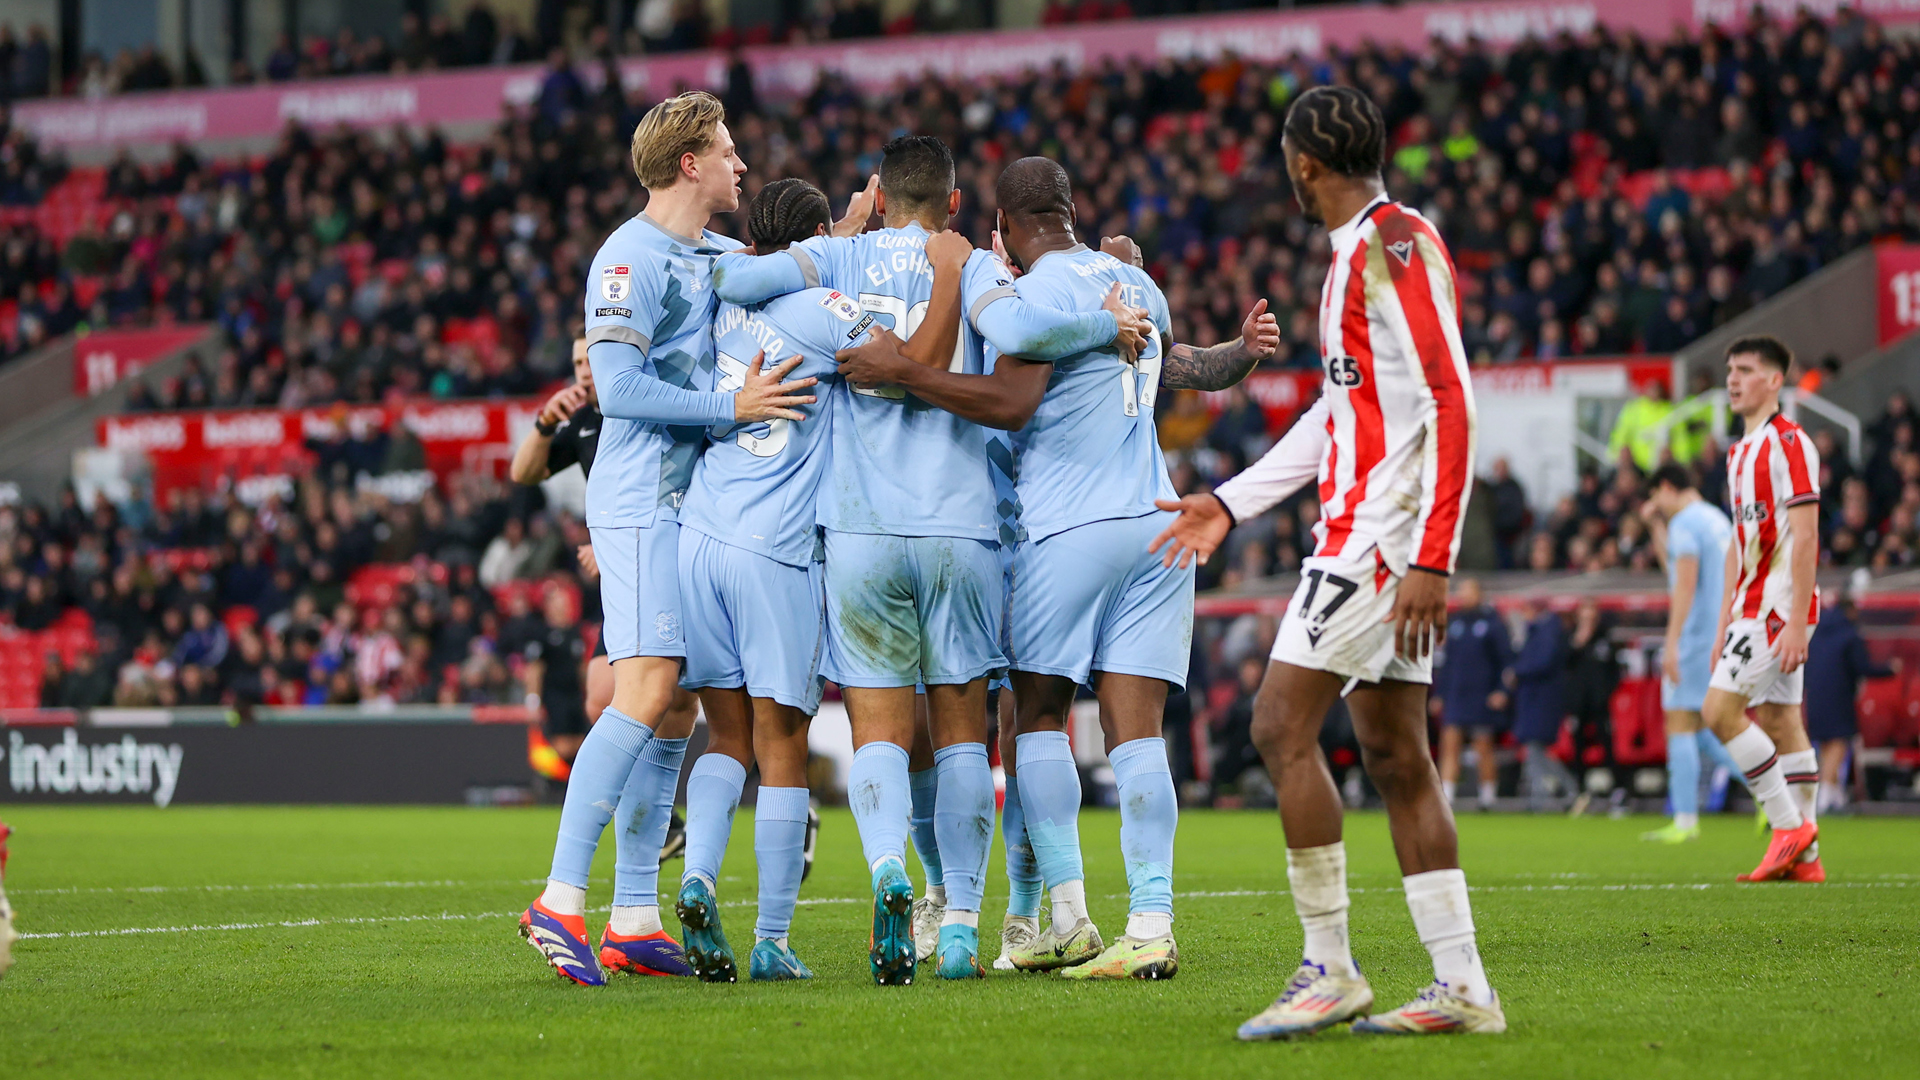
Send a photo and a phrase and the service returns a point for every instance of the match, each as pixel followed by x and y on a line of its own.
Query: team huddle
pixel 931 475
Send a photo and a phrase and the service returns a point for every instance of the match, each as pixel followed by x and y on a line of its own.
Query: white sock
pixel 780 941
pixel 637 919
pixel 1317 877
pixel 1444 920
pixel 1031 922
pixel 1069 905
pixel 956 917
pixel 1687 821
pixel 937 894
pixel 1144 925
pixel 1831 796
pixel 1754 753
pixel 1487 793
pixel 1801 770
pixel 564 899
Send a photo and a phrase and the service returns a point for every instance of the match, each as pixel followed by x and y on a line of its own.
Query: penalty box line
pixel 291 924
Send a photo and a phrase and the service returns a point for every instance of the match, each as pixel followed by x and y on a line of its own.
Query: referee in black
pixel 567 432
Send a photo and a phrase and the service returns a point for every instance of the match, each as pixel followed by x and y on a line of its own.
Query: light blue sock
pixel 646 806
pixel 1683 775
pixel 926 788
pixel 600 770
pixel 1148 813
pixel 877 792
pixel 1712 749
pixel 1050 795
pixel 713 792
pixel 1023 877
pixel 779 843
pixel 963 818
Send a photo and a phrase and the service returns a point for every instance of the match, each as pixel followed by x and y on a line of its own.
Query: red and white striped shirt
pixel 1770 469
pixel 1393 432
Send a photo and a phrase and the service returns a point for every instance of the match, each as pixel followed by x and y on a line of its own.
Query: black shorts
pixel 566 715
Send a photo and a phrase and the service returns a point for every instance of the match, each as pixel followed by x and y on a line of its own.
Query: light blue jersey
pixel 757 486
pixel 649 312
pixel 1091 452
pixel 1701 531
pixel 902 467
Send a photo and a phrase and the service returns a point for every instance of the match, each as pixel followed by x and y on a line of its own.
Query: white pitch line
pixel 450 917
pixel 280 887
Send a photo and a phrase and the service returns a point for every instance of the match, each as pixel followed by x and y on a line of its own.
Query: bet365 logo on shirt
pixel 1343 371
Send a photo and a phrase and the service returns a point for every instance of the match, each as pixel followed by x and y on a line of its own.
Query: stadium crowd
pixel 1596 199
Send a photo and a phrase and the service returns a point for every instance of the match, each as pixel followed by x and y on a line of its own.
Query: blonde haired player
pixel 1768 609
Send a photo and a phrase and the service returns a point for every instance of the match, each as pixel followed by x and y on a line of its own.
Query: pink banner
pixel 1899 291
pixel 476 96
pixel 104 358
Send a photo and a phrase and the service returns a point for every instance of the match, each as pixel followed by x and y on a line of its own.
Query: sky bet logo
pixel 111 768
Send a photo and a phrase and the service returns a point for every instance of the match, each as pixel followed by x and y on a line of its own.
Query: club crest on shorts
pixel 616 282
pixel 667 625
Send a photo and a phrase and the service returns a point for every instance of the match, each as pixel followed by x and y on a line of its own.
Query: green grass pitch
pixel 1613 958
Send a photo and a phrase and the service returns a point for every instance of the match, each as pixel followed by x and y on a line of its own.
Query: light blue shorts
pixel 912 609
pixel 1696 668
pixel 751 621
pixel 640 590
pixel 1093 598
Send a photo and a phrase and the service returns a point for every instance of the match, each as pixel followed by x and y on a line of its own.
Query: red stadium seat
pixel 1879 710
pixel 1639 726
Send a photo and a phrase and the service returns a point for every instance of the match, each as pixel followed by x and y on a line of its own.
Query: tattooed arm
pixel 1189 367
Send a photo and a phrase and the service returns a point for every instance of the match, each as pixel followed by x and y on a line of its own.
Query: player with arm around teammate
pixel 1391 443
pixel 649 311
pixel 913 581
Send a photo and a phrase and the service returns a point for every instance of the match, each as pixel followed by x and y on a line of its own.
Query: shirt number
pixel 1140 382
pixel 905 321
pixel 733 376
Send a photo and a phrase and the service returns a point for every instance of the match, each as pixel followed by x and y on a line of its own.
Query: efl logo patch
pixel 616 282
pixel 842 307
pixel 610 312
pixel 1402 250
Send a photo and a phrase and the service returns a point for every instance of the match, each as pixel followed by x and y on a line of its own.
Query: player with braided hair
pixel 750 581
pixel 1391 442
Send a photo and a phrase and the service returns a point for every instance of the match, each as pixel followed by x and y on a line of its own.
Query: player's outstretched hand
pixel 1132 321
pixel 1419 614
pixel 949 249
pixel 589 566
pixel 1260 332
pixel 859 209
pixel 1196 533
pixel 1122 248
pixel 1000 252
pixel 765 396
pixel 563 405
pixel 1792 646
pixel 877 361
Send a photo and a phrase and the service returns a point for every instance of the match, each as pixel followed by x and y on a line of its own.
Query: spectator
pixel 1540 709
pixel 507 557
pixel 1837 660
pixel 1593 670
pixel 1471 681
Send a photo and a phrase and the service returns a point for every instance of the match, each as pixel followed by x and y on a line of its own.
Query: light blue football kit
pixel 649 315
pixel 914 589
pixel 1087 595
pixel 1701 531
pixel 908 507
